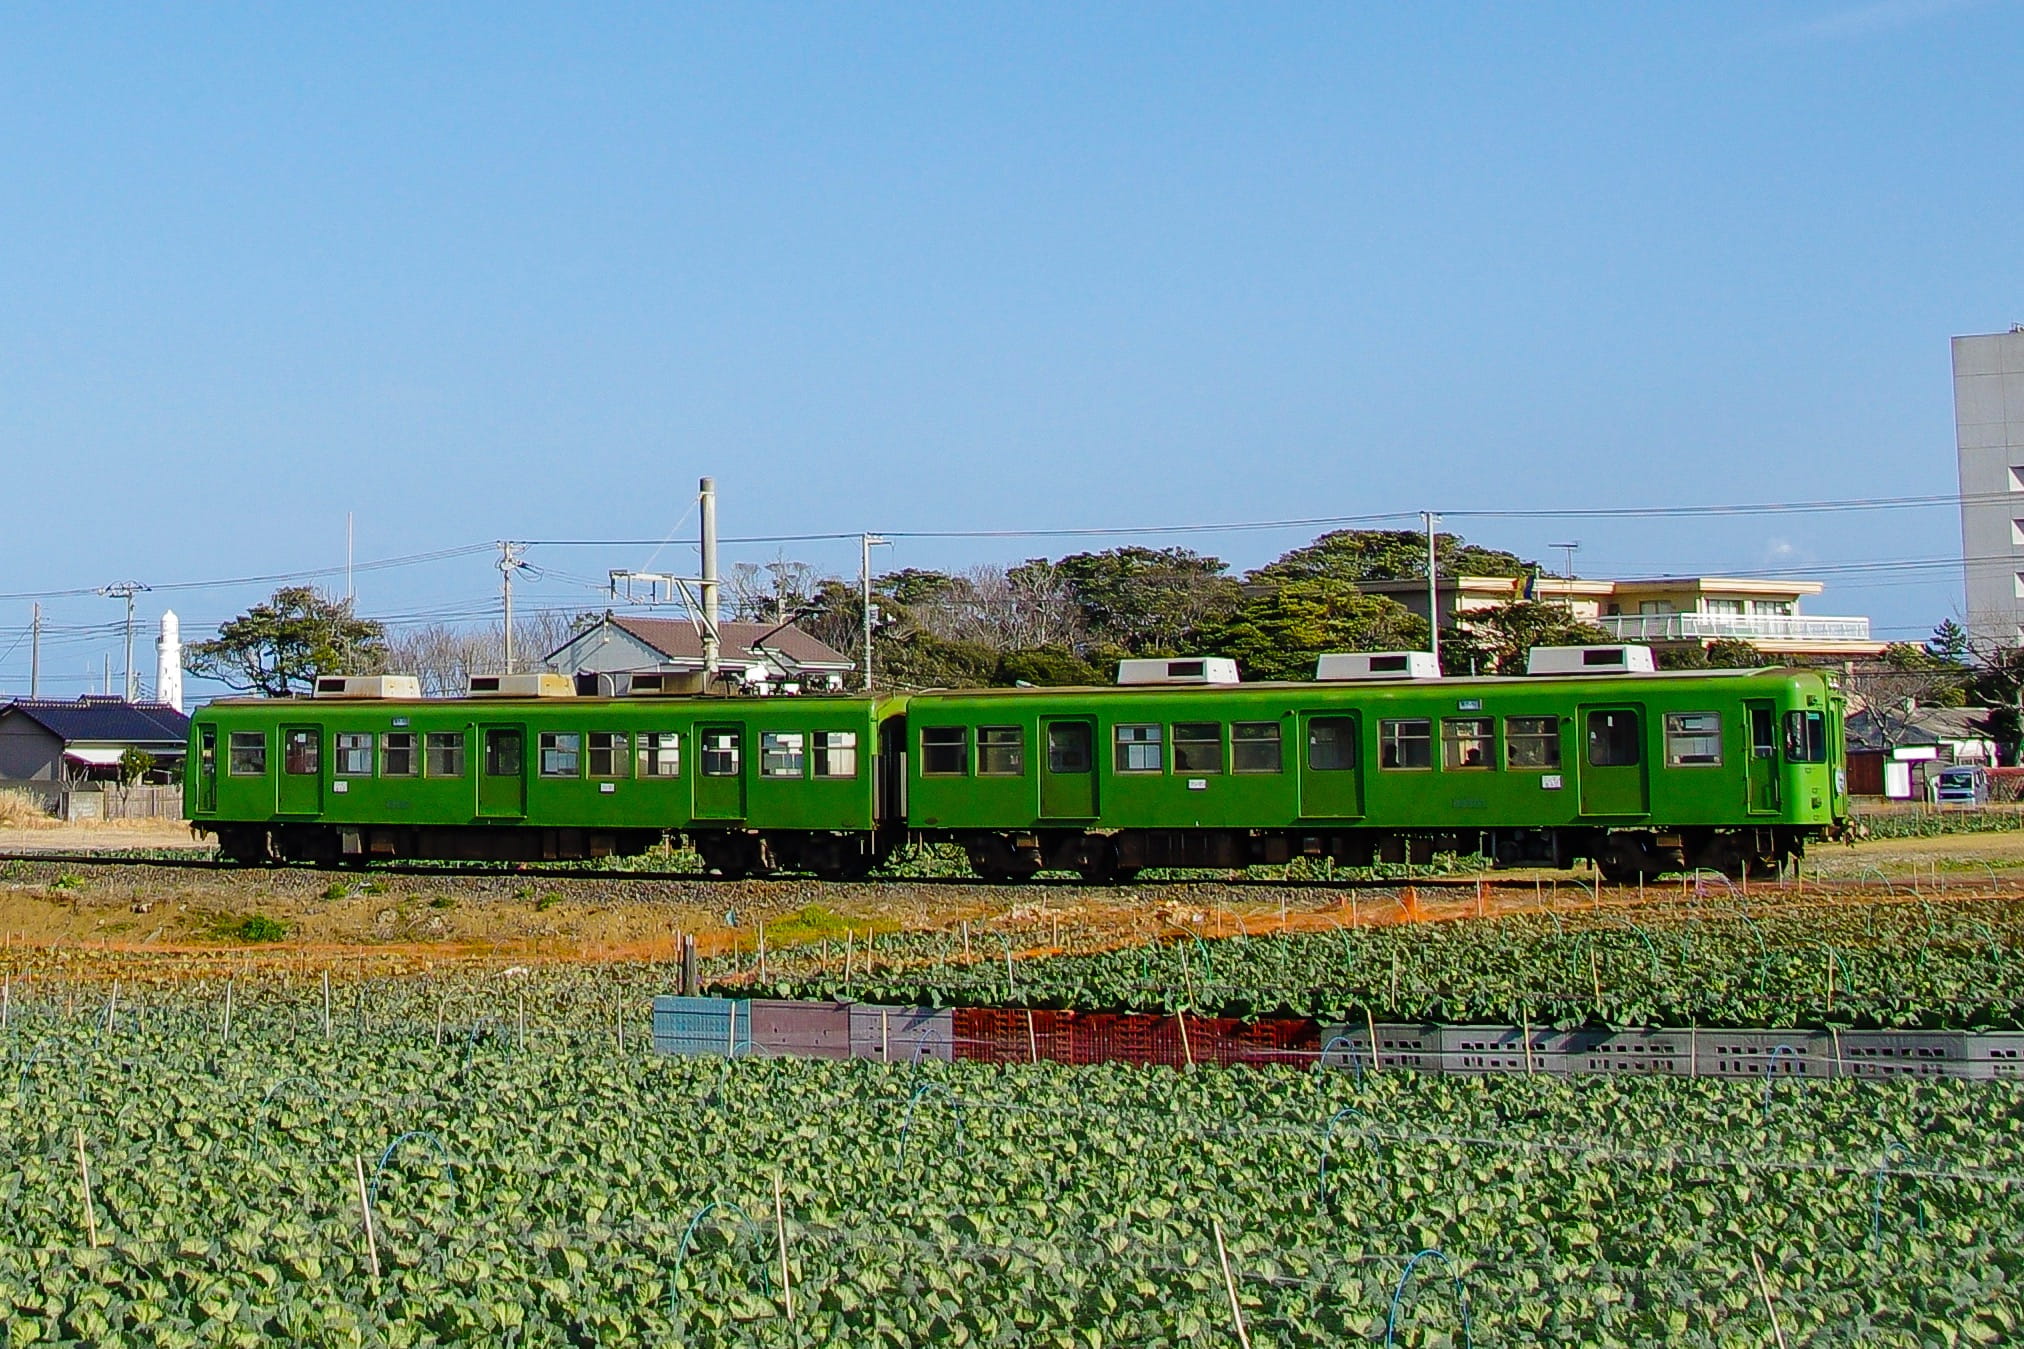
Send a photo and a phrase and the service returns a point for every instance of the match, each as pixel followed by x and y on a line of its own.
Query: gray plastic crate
pixel 1761 1053
pixel 901 1034
pixel 1665 1053
pixel 1993 1054
pixel 701 1026
pixel 1347 1045
pixel 804 1030
pixel 1502 1049
pixel 1877 1053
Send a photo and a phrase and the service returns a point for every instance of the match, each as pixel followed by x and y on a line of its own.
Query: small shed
pixel 48 741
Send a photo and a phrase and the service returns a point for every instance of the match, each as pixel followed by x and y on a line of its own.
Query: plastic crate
pixel 1900 1053
pixel 899 1034
pixel 1009 1035
pixel 1993 1054
pixel 701 1026
pixel 1502 1049
pixel 1290 1042
pixel 811 1030
pixel 1655 1052
pixel 1399 1045
pixel 1762 1053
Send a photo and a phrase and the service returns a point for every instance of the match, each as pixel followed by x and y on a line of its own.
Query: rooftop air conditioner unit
pixel 662 683
pixel 368 686
pixel 1566 660
pixel 1184 670
pixel 1343 665
pixel 522 686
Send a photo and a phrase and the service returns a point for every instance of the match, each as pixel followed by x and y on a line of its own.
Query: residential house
pixel 758 656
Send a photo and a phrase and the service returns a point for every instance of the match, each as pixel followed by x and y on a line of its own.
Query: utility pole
pixel 509 562
pixel 1430 519
pixel 713 647
pixel 1569 548
pixel 349 594
pixel 35 652
pixel 125 590
pixel 870 541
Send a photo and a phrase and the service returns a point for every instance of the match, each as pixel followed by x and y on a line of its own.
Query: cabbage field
pixel 494 1157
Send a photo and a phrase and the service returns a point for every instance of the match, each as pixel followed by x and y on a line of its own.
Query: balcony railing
pixel 1746 627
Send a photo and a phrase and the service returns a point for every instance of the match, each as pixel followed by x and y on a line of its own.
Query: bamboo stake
pixel 780 1226
pixel 84 1179
pixel 1371 1022
pixel 1032 1040
pixel 1770 1309
pixel 326 1004
pixel 523 1020
pixel 365 1214
pixel 441 1008
pixel 226 1038
pixel 1187 1052
pixel 1525 1030
pixel 1230 1283
pixel 111 1007
pixel 7 1002
pixel 762 950
pixel 966 939
pixel 1595 974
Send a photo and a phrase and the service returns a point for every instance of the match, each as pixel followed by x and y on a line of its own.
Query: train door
pixel 1068 777
pixel 207 769
pixel 892 772
pixel 299 790
pixel 1760 768
pixel 1613 770
pixel 720 772
pixel 502 772
pixel 1331 787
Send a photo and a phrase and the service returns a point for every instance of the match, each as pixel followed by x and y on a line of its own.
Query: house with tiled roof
pixel 51 741
pixel 759 655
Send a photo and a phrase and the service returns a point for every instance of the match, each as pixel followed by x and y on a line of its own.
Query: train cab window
pixel 1532 742
pixel 1405 743
pixel 660 754
pixel 783 754
pixel 1693 739
pixel 301 753
pixel 1254 747
pixel 1001 751
pixel 836 754
pixel 1198 747
pixel 1468 742
pixel 246 755
pixel 354 755
pixel 561 754
pixel 945 751
pixel 443 754
pixel 607 758
pixel 722 753
pixel 397 754
pixel 1613 738
pixel 1806 737
pixel 1138 749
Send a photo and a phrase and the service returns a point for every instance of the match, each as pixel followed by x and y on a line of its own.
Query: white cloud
pixel 1875 16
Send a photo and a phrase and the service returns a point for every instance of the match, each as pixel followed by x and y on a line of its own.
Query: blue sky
pixel 489 272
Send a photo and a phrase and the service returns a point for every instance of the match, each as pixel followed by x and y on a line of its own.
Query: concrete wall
pixel 1989 430
pixel 28 752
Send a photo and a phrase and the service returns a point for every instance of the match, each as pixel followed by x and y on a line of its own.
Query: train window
pixel 1405 744
pixel 502 753
pixel 1806 737
pixel 354 755
pixel 1070 747
pixel 1468 742
pixel 607 754
pixel 246 755
pixel 1693 739
pixel 836 754
pixel 1613 738
pixel 397 754
pixel 1331 744
pixel 721 754
pixel 1254 747
pixel 1001 751
pixel 945 751
pixel 783 754
pixel 660 754
pixel 561 754
pixel 1532 742
pixel 301 753
pixel 443 754
pixel 1198 747
pixel 1138 749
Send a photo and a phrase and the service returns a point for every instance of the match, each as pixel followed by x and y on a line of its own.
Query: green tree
pixel 1046 666
pixel 1150 601
pixel 1497 640
pixel 1724 653
pixel 280 647
pixel 1278 634
pixel 1388 555
pixel 1949 643
pixel 134 765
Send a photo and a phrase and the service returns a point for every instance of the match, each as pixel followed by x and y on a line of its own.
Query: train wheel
pixel 1104 867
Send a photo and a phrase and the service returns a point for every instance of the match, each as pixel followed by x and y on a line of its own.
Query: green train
pixel 1641 773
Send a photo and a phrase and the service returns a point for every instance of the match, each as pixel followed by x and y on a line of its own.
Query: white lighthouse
pixel 169 662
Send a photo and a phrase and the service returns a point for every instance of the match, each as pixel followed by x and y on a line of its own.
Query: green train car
pixel 1643 773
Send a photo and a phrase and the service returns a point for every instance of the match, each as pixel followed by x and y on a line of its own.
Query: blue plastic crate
pixel 701 1026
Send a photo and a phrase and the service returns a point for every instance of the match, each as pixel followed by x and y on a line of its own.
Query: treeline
pixel 1070 620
